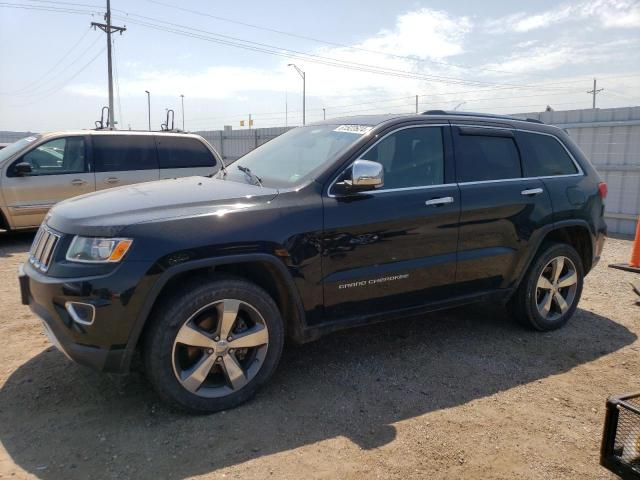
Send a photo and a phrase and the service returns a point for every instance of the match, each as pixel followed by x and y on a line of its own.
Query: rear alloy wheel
pixel 550 290
pixel 556 288
pixel 212 344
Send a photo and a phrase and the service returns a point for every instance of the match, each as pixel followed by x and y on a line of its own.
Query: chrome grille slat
pixel 43 248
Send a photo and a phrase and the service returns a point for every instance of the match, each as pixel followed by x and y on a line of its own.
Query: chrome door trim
pixel 580 172
pixel 531 191
pixel 439 201
pixel 32 206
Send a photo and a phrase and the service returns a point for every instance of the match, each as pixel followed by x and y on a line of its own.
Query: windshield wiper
pixel 255 180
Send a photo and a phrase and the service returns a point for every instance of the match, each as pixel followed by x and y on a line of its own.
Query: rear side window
pixel 486 157
pixel 544 156
pixel 183 152
pixel 112 153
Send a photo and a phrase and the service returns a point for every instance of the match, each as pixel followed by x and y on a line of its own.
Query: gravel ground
pixel 458 394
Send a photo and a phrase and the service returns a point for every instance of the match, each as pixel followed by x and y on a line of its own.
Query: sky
pixel 230 59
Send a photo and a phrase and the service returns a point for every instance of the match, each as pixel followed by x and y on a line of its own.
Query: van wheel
pixel 213 344
pixel 550 291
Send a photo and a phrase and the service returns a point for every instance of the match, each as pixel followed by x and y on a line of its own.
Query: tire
pixel 536 295
pixel 213 375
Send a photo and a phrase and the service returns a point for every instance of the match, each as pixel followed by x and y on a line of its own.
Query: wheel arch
pixel 576 233
pixel 4 221
pixel 266 271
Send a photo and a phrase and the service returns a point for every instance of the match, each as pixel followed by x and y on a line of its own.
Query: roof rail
pixel 475 114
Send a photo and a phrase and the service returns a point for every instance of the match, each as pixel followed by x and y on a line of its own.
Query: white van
pixel 39 171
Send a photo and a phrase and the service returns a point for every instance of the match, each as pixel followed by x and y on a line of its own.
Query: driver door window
pixel 411 157
pixel 57 157
pixel 59 170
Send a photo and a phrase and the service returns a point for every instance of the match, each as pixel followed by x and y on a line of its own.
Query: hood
pixel 108 211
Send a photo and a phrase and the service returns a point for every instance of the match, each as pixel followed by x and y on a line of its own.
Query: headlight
pixel 98 250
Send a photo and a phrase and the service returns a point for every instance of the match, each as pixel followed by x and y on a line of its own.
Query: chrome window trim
pixel 478 182
pixel 426 125
pixel 557 139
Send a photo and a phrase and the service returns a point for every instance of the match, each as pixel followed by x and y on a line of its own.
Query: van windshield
pixel 15 147
pixel 294 157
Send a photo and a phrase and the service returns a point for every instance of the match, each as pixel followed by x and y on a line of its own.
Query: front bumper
pixel 117 299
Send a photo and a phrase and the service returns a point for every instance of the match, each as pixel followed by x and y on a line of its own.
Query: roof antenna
pixel 165 126
pixel 100 124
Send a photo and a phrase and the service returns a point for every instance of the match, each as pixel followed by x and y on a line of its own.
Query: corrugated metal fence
pixel 609 137
pixel 232 144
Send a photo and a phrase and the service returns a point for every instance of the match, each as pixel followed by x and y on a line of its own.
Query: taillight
pixel 603 190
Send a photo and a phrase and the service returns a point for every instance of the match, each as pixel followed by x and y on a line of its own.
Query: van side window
pixel 411 157
pixel 183 152
pixel 112 153
pixel 56 157
pixel 544 156
pixel 486 157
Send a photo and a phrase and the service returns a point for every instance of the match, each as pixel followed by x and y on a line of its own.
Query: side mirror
pixel 23 168
pixel 364 175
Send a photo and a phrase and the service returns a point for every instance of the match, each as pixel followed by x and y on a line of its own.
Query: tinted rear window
pixel 544 156
pixel 182 152
pixel 480 157
pixel 113 153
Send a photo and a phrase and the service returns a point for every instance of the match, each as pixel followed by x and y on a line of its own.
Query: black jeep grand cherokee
pixel 328 226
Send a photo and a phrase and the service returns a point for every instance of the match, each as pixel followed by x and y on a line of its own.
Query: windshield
pixel 295 156
pixel 15 147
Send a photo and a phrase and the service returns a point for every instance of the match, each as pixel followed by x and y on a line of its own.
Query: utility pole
pixel 182 98
pixel 304 93
pixel 149 107
pixel 416 104
pixel 109 29
pixel 595 91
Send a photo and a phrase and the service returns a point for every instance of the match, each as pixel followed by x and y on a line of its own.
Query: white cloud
pixel 606 13
pixel 535 57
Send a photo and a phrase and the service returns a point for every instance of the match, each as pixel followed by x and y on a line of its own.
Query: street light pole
pixel 304 87
pixel 182 98
pixel 149 107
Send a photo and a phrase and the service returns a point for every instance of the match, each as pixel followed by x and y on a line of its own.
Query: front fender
pixel 298 326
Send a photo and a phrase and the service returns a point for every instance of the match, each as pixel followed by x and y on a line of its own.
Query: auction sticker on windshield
pixel 357 129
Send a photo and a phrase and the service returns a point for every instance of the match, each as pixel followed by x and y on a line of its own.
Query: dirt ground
pixel 458 394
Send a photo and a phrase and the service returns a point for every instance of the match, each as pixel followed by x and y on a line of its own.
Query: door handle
pixel 531 192
pixel 112 180
pixel 439 201
pixel 78 182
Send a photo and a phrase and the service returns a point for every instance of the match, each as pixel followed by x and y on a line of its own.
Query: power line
pixel 34 92
pixel 48 9
pixel 63 84
pixel 115 63
pixel 30 85
pixel 289 53
pixel 327 42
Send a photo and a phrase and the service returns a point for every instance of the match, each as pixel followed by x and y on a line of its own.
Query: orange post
pixel 635 251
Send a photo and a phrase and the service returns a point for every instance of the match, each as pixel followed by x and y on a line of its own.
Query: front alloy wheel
pixel 213 343
pixel 220 348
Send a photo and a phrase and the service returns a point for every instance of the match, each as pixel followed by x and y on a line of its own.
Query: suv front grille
pixel 43 248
